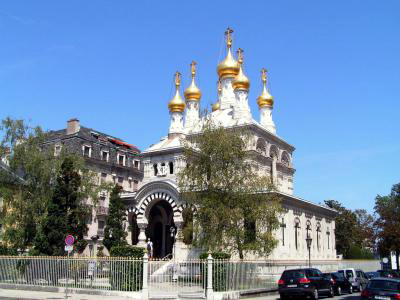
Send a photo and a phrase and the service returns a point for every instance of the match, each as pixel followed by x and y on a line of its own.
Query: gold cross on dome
pixel 193 66
pixel 177 78
pixel 240 55
pixel 228 33
pixel 264 74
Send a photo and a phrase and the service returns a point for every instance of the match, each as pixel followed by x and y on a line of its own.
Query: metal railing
pixel 111 273
pixel 177 278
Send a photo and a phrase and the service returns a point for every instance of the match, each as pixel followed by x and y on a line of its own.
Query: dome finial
pixel 228 33
pixel 177 104
pixel 241 82
pixel 265 99
pixel 193 92
pixel 229 66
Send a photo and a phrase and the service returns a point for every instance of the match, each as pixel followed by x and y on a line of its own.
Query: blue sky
pixel 334 72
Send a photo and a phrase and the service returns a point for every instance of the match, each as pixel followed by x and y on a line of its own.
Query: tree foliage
pixel 66 214
pixel 29 186
pixel 235 207
pixel 354 231
pixel 387 209
pixel 114 233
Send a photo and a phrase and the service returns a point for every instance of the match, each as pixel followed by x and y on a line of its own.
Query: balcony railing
pixel 101 210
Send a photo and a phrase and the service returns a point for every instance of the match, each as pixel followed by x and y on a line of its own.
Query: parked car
pixel 371 275
pixel 357 278
pixel 388 273
pixel 382 288
pixel 304 282
pixel 340 283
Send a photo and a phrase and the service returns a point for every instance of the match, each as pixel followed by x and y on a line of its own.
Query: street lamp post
pixel 172 230
pixel 309 241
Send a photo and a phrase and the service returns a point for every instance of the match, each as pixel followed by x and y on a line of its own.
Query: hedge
pixel 123 277
pixel 219 270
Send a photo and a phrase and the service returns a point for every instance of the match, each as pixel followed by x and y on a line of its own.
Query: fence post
pixel 145 289
pixel 209 277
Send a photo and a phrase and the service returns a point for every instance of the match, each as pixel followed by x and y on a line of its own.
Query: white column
pixel 227 97
pixel 241 109
pixel 192 114
pixel 142 235
pixel 266 119
pixel 176 122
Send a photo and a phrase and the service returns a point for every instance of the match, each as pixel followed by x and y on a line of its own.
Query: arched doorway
pixel 158 230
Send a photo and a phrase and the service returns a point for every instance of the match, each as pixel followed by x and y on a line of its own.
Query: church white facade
pixel 156 208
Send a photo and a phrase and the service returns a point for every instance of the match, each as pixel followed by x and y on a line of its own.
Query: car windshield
pixel 293 274
pixel 337 275
pixel 349 273
pixel 385 285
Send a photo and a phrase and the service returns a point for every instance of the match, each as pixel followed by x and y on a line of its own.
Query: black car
pixel 371 275
pixel 339 282
pixel 387 273
pixel 304 282
pixel 382 288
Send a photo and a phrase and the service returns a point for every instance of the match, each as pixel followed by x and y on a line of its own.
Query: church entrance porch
pixel 160 222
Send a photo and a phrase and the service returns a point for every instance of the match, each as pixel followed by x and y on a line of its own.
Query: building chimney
pixel 73 126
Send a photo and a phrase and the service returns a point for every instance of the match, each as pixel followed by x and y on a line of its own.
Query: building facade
pixel 112 159
pixel 155 209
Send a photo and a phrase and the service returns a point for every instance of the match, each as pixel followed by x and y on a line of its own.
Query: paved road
pixel 355 296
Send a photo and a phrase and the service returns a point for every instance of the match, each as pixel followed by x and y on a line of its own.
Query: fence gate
pixel 172 279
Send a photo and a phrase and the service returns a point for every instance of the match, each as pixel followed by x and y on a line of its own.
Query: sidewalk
pixel 35 295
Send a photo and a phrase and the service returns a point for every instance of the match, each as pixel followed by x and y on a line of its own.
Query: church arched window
pixel 261 146
pixel 155 169
pixel 285 159
pixel 296 232
pixel 171 167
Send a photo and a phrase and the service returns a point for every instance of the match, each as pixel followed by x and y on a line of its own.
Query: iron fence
pixel 111 273
pixel 177 278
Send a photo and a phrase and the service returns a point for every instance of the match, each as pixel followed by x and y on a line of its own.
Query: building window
pixel 121 160
pixel 102 201
pixel 120 181
pixel 103 177
pixel 318 232
pixel 57 150
pixel 155 169
pixel 87 151
pixel 136 164
pixel 296 229
pixel 104 155
pixel 102 224
pixel 135 185
pixel 283 226
pixel 171 167
pixel 328 233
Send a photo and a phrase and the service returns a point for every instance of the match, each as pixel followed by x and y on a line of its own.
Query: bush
pixel 219 270
pixel 4 250
pixel 356 252
pixel 127 275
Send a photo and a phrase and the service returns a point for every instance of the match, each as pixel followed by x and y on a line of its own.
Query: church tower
pixel 265 103
pixel 176 108
pixel 227 70
pixel 241 85
pixel 192 95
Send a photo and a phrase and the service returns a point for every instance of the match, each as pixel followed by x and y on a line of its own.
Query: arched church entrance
pixel 161 219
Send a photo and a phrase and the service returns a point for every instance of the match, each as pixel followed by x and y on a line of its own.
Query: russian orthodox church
pixel 155 210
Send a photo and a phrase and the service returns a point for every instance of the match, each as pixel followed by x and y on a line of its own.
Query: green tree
pixel 365 229
pixel 114 233
pixel 235 208
pixel 66 214
pixel 387 209
pixel 30 185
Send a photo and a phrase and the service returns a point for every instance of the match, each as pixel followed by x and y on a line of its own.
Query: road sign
pixel 69 240
pixel 68 248
pixel 385 260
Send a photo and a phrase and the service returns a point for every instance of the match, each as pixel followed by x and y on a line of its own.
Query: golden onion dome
pixel 177 104
pixel 241 82
pixel 229 67
pixel 215 106
pixel 265 99
pixel 193 92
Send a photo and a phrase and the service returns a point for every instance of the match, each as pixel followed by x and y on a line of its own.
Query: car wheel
pixel 339 291
pixel 360 288
pixel 315 294
pixel 351 289
pixel 331 292
pixel 284 297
